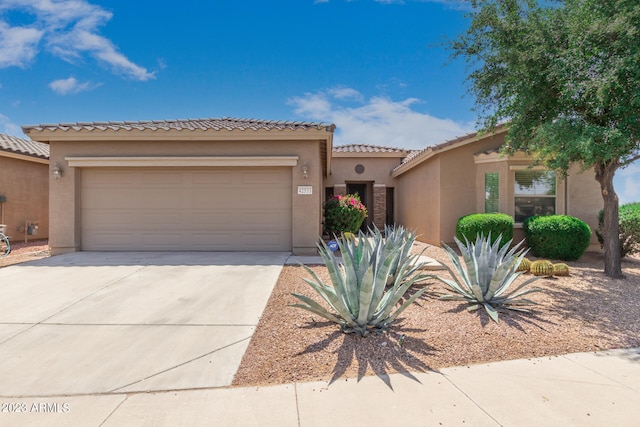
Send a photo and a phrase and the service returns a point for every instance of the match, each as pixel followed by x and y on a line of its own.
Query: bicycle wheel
pixel 5 246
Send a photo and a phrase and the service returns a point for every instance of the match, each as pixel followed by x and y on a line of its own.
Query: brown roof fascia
pixel 429 152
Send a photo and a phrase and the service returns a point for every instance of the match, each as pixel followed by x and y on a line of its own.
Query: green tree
pixel 565 76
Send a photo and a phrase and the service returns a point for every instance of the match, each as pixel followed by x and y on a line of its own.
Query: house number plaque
pixel 305 189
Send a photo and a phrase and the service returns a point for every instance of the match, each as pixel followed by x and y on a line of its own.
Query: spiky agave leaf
pixel 489 271
pixel 357 294
pixel 332 298
pixel 316 308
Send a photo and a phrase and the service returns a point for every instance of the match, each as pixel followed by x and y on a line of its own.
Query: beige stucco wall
pixel 458 177
pixel 376 169
pixel 434 194
pixel 65 203
pixel 25 184
pixel 584 200
pixel 418 201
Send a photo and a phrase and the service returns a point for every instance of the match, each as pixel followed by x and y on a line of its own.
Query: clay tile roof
pixel 426 152
pixel 366 148
pixel 224 123
pixel 13 144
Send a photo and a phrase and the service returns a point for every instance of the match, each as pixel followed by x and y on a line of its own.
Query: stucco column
pixel 379 205
pixel 64 207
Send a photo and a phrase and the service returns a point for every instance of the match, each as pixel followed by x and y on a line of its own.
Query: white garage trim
pixel 227 161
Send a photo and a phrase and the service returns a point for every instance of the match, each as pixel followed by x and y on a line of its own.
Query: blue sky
pixel 375 68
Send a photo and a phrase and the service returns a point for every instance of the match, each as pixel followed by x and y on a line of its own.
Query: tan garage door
pixel 175 209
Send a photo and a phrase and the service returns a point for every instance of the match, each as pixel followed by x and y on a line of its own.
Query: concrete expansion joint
pixel 471 399
pixel 600 374
pixel 115 390
pixel 295 393
pixel 114 393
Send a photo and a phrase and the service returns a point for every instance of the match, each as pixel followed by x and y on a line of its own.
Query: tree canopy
pixel 565 75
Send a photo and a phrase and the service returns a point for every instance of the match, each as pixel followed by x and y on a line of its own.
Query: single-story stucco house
pixel 206 184
pixel 24 188
pixel 429 190
pixel 236 184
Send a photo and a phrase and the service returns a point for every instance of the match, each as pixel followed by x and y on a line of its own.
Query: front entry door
pixel 361 190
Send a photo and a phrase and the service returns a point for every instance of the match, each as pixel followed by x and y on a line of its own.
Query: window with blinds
pixel 535 193
pixel 491 192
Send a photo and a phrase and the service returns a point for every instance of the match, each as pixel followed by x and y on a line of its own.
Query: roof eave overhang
pixel 430 152
pixel 493 157
pixel 25 157
pixel 391 154
pixel 329 152
pixel 71 135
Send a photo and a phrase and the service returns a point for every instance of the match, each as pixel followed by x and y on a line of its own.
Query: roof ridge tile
pixel 228 123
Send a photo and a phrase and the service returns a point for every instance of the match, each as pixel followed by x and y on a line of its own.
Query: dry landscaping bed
pixel 583 312
pixel 22 252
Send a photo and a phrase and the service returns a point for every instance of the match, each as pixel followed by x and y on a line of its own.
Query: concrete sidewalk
pixel 584 389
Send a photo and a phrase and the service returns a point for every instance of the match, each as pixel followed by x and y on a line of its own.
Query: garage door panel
pixel 262 240
pixel 108 241
pixel 264 220
pixel 214 219
pixel 193 209
pixel 164 241
pixel 107 219
pixel 260 178
pixel 99 178
pixel 161 178
pixel 157 198
pixel 207 199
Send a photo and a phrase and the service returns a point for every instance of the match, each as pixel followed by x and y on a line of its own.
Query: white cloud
pixel 18 45
pixel 9 128
pixel 343 92
pixel 70 86
pixel 378 121
pixel 68 29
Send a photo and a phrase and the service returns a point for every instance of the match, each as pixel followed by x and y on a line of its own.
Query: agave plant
pixel 397 236
pixel 488 273
pixel 358 295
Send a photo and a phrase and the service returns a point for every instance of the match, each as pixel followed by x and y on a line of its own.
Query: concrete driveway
pixel 103 322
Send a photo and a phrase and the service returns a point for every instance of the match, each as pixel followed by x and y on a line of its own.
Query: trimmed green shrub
pixel 557 236
pixel 494 224
pixel 629 220
pixel 344 214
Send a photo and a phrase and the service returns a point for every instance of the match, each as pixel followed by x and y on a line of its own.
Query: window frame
pixel 518 219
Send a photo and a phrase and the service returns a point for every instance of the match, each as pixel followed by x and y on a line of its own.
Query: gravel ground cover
pixel 585 311
pixel 22 252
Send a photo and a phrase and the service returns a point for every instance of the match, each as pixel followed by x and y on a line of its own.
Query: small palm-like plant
pixel 488 273
pixel 358 297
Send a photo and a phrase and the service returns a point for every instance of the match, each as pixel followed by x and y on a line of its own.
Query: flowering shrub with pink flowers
pixel 344 214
